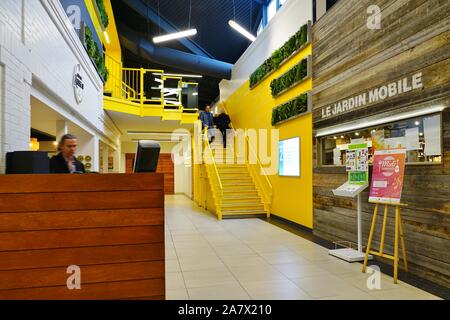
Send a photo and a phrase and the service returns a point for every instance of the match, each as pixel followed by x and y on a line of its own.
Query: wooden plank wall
pixel 165 166
pixel 348 59
pixel 111 226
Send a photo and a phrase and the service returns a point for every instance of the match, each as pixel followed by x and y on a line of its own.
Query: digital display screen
pixel 289 157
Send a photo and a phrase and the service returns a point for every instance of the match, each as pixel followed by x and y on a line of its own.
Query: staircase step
pixel 243 213
pixel 234 184
pixel 235 177
pixel 230 166
pixel 242 206
pixel 239 188
pixel 234 173
pixel 242 199
pixel 240 193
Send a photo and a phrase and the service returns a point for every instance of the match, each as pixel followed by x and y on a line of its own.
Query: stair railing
pixel 213 175
pixel 258 173
pixel 261 178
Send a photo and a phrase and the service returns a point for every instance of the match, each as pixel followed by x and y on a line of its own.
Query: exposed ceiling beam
pixel 149 13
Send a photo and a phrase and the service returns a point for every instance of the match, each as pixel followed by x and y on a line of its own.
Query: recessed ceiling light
pixel 107 37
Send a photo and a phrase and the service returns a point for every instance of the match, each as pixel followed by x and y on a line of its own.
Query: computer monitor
pixel 147 156
pixel 27 162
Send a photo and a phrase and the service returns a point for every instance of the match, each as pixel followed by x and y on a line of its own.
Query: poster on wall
pixel 377 140
pixel 357 163
pixel 387 176
pixel 289 157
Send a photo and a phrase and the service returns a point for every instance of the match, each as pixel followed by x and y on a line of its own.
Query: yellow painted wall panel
pixel 253 109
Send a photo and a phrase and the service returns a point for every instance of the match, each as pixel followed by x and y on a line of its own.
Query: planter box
pixel 308 75
pixel 308 110
pixel 308 42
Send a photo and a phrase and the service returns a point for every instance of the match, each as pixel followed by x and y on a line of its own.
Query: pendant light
pixel 236 26
pixel 177 35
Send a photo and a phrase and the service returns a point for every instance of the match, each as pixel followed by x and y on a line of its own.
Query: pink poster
pixel 387 175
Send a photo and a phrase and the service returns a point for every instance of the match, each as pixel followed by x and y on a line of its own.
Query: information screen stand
pixel 349 254
pixel 356 162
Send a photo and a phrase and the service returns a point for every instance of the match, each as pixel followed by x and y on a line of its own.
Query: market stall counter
pixel 82 237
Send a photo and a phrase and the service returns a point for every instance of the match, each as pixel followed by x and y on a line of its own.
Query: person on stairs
pixel 223 124
pixel 207 120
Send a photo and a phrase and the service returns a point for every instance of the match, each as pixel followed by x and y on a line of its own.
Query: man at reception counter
pixel 65 161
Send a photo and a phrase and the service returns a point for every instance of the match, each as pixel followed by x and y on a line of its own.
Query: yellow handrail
pixel 216 193
pixel 267 194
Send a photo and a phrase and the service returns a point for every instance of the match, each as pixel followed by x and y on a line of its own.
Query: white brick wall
pixel 39 49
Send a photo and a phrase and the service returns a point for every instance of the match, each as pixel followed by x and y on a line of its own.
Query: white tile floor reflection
pixel 252 259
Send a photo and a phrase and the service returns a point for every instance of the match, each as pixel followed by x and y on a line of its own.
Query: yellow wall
pixel 253 109
pixel 113 48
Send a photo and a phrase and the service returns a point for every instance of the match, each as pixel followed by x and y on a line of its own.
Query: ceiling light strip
pixel 173 36
pixel 241 30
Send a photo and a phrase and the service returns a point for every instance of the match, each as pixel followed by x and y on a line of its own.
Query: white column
pixel 105 155
pixel 89 146
pixel 96 154
pixel 61 129
pixel 15 107
pixel 117 160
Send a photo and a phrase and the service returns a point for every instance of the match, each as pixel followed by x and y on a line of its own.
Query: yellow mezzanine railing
pixel 143 92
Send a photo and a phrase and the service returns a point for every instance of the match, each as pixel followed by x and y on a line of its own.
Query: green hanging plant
pixel 287 80
pixel 290 109
pixel 280 55
pixel 103 14
pixel 95 55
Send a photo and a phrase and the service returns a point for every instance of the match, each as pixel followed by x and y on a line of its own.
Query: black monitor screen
pixel 147 156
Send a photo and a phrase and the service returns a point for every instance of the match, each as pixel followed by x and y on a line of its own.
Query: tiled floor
pixel 252 259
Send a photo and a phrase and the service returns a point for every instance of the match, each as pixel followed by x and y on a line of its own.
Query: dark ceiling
pixel 215 37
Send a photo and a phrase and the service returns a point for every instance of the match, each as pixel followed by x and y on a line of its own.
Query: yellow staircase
pixel 238 187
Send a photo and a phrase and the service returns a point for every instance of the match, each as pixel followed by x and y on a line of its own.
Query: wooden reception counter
pixel 110 226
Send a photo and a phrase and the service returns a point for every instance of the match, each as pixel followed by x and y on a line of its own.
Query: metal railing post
pixel 141 84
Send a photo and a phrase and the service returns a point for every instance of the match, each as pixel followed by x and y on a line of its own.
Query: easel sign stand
pixel 386 189
pixel 398 230
pixel 358 177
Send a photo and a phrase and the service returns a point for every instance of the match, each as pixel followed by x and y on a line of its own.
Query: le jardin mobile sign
pixel 374 95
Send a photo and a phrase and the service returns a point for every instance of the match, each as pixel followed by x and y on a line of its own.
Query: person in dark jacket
pixel 223 123
pixel 207 120
pixel 65 161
